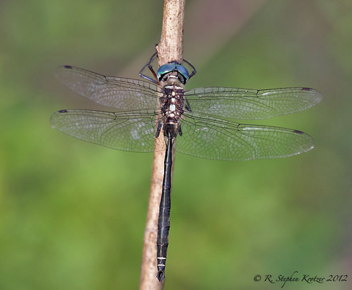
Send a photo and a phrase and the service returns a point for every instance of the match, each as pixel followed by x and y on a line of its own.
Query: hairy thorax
pixel 172 105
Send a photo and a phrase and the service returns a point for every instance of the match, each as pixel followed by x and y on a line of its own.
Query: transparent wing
pixel 251 104
pixel 213 138
pixel 127 131
pixel 115 92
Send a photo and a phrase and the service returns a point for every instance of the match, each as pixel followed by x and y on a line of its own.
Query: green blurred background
pixel 73 214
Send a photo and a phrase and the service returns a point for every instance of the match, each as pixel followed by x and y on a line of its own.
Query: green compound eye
pixel 170 67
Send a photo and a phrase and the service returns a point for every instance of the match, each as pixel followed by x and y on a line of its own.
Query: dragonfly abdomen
pixel 164 213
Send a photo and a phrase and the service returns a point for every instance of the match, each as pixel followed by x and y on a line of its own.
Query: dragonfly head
pixel 175 69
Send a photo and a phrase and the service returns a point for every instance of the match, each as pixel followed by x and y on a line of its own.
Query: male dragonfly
pixel 147 108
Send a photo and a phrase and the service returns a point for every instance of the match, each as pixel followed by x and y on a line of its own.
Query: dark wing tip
pixel 63 67
pixel 317 94
pixel 315 97
pixel 53 118
pixel 306 147
pixel 59 70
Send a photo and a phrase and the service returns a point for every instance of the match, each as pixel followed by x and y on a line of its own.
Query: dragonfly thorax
pixel 172 109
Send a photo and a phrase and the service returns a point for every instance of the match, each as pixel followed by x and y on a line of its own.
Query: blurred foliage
pixel 73 214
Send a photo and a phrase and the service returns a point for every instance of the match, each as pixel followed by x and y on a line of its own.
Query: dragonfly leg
pixel 187 106
pixel 158 129
pixel 148 64
pixel 194 69
pixel 179 130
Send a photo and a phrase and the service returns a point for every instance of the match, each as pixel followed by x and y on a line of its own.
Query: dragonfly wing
pixel 251 104
pixel 122 130
pixel 213 138
pixel 115 92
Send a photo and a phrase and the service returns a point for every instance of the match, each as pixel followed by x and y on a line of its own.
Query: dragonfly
pixel 160 107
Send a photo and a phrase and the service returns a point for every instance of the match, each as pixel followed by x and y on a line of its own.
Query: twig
pixel 169 49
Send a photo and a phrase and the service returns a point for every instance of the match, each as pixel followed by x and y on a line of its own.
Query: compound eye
pixel 165 69
pixel 170 67
pixel 183 71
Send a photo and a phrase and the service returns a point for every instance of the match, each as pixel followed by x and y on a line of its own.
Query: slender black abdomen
pixel 164 213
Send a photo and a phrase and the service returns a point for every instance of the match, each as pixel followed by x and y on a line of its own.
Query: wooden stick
pixel 169 49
